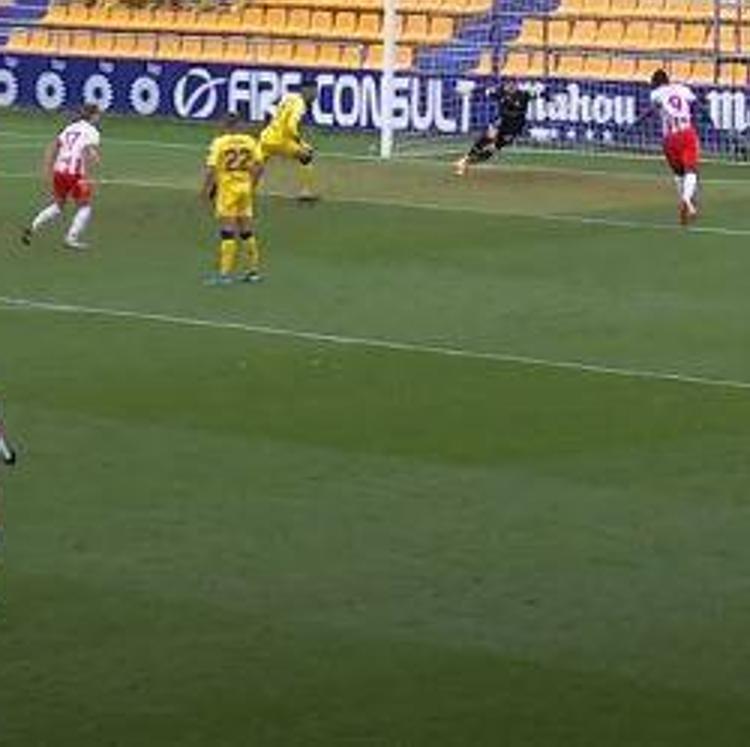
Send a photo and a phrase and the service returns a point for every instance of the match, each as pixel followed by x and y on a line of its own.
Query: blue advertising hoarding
pixel 564 112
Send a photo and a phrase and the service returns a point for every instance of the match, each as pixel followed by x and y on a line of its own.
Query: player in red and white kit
pixel 67 164
pixel 674 103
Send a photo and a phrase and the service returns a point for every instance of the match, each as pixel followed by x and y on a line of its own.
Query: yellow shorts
pixel 286 147
pixel 234 201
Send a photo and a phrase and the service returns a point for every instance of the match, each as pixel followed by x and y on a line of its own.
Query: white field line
pixel 374 343
pixel 424 161
pixel 585 220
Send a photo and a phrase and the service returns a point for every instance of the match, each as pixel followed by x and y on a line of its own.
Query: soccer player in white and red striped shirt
pixel 674 103
pixel 67 164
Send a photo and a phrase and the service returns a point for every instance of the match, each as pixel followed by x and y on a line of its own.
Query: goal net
pixel 588 63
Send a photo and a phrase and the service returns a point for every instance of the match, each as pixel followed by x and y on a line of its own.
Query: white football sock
pixel 689 185
pixel 50 213
pixel 80 221
pixel 5 450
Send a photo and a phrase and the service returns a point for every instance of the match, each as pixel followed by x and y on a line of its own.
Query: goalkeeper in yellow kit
pixel 282 137
pixel 233 168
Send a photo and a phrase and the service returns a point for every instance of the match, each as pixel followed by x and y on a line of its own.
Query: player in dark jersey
pixel 512 106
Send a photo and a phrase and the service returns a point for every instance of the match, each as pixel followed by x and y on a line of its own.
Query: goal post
pixel 388 72
pixel 589 74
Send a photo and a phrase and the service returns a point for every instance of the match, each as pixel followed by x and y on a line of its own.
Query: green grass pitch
pixel 378 499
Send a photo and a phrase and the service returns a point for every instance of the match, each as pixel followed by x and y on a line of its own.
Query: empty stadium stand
pixel 601 39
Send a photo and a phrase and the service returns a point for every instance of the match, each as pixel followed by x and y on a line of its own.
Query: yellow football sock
pixel 307 178
pixel 227 256
pixel 252 254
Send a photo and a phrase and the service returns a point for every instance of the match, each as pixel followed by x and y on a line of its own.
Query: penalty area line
pixel 372 343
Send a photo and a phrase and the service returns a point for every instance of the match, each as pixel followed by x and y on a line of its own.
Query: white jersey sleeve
pixel 674 101
pixel 73 143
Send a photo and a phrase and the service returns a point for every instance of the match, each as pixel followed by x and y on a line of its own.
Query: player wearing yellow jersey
pixel 233 168
pixel 283 137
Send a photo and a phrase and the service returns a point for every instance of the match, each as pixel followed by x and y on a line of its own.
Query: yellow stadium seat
pixel 703 71
pixel 329 55
pixel 624 7
pixel 692 36
pixel 306 54
pixel 185 20
pixel 729 38
pixel 56 14
pixel 206 21
pixel 321 24
pixel 164 18
pixel 81 42
pixel 142 18
pixel 213 48
pixel 281 53
pixel 532 32
pixel 81 15
pixel 735 74
pixel 253 19
pixel 663 35
pixel 236 49
pixel 610 34
pixel 124 45
pixel 637 34
pixel 39 39
pixel 416 28
pixel 516 63
pixel 145 46
pixel 18 40
pixel 119 17
pixel 168 47
pixel 680 70
pixel 441 29
pixel 368 26
pixel 346 24
pixel 276 20
pixel 298 21
pixel 584 33
pixel 570 66
pixel 647 65
pixel 97 15
pixel 622 68
pixel 597 7
pixel 351 56
pixel 678 9
pixel 574 7
pixel 701 9
pixel 538 65
pixel 374 60
pixel 456 7
pixel 650 8
pixel 191 48
pixel 596 66
pixel 60 40
pixel 104 42
pixel 484 66
pixel 263 51
pixel 229 21
pixel 558 33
